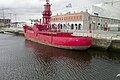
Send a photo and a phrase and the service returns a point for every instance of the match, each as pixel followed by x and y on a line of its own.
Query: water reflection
pixel 113 56
pixel 55 52
pixel 58 63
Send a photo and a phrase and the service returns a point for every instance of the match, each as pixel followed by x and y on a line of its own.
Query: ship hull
pixel 63 47
pixel 71 43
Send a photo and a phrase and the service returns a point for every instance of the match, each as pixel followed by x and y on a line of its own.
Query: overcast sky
pixel 31 9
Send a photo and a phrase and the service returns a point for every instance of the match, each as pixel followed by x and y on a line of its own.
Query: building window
pixel 69 18
pixel 66 18
pixel 74 17
pixel 80 17
pixel 76 26
pixel 77 17
pixel 64 25
pixel 61 26
pixel 52 25
pixel 90 27
pixel 98 19
pixel 72 26
pixel 98 23
pixel 79 27
pixel 58 24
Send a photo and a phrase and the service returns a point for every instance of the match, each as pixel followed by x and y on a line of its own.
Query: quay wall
pixel 103 40
pixel 115 46
pixel 101 43
pixel 17 31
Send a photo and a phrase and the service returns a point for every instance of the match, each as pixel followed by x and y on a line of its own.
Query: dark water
pixel 26 60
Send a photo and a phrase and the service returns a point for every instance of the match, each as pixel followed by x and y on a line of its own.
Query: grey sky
pixel 27 9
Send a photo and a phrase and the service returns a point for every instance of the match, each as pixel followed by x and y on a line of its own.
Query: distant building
pixel 18 24
pixel 83 21
pixel 5 22
pixel 31 22
pixel 105 10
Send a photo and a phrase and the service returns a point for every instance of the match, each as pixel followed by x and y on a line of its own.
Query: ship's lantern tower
pixel 47 13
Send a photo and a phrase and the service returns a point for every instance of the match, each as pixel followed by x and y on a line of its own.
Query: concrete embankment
pixel 101 43
pixel 17 31
pixel 103 40
pixel 115 46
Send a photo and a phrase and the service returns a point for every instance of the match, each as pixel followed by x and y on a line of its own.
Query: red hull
pixel 60 40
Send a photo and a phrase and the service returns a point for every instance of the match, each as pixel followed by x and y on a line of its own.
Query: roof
pixel 69 13
pixel 17 22
pixel 5 19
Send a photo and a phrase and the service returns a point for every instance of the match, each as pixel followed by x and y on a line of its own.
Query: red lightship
pixel 47 34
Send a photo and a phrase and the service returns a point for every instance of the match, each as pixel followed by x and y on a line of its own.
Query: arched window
pixel 68 24
pixel 79 27
pixel 72 26
pixel 52 25
pixel 49 26
pixel 64 25
pixel 76 26
pixel 61 26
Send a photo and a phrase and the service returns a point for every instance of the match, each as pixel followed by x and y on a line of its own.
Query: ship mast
pixel 47 13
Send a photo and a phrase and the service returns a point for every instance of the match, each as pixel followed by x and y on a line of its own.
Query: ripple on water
pixel 24 60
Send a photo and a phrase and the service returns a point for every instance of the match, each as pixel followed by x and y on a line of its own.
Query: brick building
pixel 83 21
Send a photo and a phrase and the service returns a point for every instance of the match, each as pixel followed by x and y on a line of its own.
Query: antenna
pixel 10 14
pixel 3 10
pixel 15 17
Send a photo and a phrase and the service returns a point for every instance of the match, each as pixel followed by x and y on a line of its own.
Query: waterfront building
pixel 17 24
pixel 114 27
pixel 5 22
pixel 31 22
pixel 83 21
